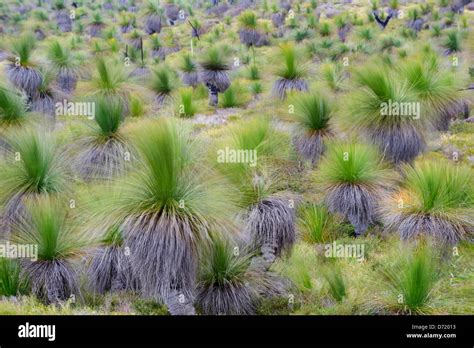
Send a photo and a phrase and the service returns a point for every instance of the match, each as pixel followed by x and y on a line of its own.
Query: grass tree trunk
pixel 178 304
pixel 213 95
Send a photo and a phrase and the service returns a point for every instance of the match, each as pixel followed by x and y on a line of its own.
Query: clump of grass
pixel 214 59
pixel 23 49
pixel 436 200
pixel 437 90
pixel 291 69
pixel 186 107
pixel 163 83
pixel 187 64
pixel 248 19
pixel 12 109
pixel 325 29
pixel 436 30
pixel 335 280
pixel 366 34
pixel 39 170
pixel 234 96
pixel 389 42
pixel 256 89
pixel 64 64
pixel 109 79
pixel 314 223
pixel 12 283
pixel 452 42
pixel 137 107
pixel 412 278
pixel 253 73
pixel 333 75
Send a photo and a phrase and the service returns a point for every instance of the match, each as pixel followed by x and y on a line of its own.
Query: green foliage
pixel 214 59
pixel 186 108
pixel 413 277
pixel 23 48
pixel 38 170
pixel 248 19
pixel 290 69
pixel 337 286
pixel 163 81
pixel 351 162
pixel 453 41
pixel 108 116
pixel 234 96
pixel 51 229
pixel 11 281
pixel 187 64
pixel 12 108
pixel 313 112
pixel 325 29
pixel 438 188
pixel 314 223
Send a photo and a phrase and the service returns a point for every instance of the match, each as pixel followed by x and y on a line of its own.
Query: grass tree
pixel 46 96
pixel 109 80
pixel 313 124
pixel 290 73
pixel 163 83
pixel 96 25
pixel 226 285
pixel 167 207
pixel 109 268
pixel 127 22
pixel 189 71
pixel 103 152
pixel 354 180
pixel 453 41
pixel 65 66
pixel 63 18
pixel 34 166
pixel 49 225
pixel 171 11
pixel 388 113
pixel 153 17
pixel 13 112
pixel 435 200
pixel 249 35
pixel 269 218
pixel 436 90
pixel 21 71
pixel 214 66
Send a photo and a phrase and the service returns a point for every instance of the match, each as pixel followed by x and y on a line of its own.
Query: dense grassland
pixel 212 157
